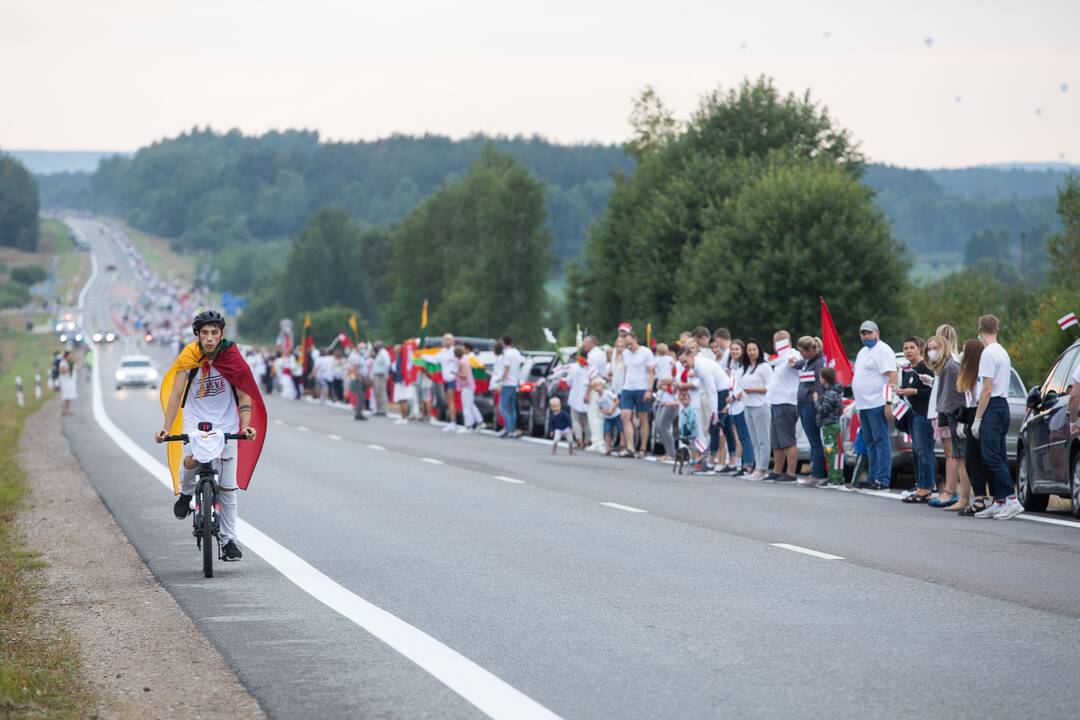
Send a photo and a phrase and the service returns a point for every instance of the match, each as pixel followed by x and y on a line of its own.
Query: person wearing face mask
pixel 948 401
pixel 875 372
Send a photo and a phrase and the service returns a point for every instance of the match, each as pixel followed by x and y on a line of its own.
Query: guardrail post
pixel 37 386
pixel 19 391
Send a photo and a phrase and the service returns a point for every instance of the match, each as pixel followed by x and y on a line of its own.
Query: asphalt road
pixel 688 609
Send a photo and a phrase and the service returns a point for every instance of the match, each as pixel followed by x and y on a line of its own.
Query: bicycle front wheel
pixel 206 508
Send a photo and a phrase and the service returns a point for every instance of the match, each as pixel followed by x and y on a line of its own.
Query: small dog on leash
pixel 682 456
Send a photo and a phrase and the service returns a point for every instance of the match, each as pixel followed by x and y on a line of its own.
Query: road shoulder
pixel 142 655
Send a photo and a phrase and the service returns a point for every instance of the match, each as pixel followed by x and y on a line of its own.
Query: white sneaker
pixel 447 428
pixel 462 430
pixel 992 510
pixel 1012 509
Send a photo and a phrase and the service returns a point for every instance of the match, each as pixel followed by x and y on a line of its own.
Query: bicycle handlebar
pixel 184 438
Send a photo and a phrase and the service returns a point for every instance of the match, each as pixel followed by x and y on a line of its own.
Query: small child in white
pixel 562 428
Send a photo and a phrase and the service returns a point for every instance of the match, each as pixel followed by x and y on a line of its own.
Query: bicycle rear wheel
pixel 206 508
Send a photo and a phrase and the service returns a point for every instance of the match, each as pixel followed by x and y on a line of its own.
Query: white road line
pixel 302 428
pixel 334 437
pixel 279 421
pixel 376 447
pixel 509 479
pixel 535 441
pixel 1048 521
pixel 627 508
pixel 487 692
pixel 807 551
pixel 432 461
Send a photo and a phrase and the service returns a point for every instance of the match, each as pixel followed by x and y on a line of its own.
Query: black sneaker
pixel 785 478
pixel 772 477
pixel 726 470
pixel 182 506
pixel 230 552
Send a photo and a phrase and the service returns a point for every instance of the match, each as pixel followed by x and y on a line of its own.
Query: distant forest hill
pixel 207 189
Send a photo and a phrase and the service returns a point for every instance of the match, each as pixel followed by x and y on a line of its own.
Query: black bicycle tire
pixel 206 507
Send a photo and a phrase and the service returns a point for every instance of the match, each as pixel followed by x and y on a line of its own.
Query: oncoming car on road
pixel 136 371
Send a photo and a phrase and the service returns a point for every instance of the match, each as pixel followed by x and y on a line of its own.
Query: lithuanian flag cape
pixel 231 364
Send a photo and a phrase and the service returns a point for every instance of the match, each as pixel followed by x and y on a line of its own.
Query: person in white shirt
pixel 509 380
pixel 636 395
pixel 992 420
pixel 597 369
pixel 874 380
pixel 736 367
pixel 358 375
pixel 380 372
pixel 577 399
pixel 448 362
pixel 701 384
pixel 782 396
pixel 707 361
pixel 753 386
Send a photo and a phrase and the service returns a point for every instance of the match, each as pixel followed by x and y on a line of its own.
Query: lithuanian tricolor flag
pixel 426 361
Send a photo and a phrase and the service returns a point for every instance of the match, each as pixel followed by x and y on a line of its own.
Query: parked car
pixel 532 397
pixel 136 371
pixel 1048 454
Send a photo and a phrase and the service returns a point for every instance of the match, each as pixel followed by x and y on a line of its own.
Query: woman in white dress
pixel 68 390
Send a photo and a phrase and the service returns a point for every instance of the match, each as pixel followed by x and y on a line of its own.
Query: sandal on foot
pixel 917 497
pixel 943 500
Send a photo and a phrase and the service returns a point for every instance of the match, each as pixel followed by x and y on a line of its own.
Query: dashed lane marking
pixel 373 446
pixel 627 508
pixel 432 461
pixel 334 437
pixel 515 481
pixel 807 551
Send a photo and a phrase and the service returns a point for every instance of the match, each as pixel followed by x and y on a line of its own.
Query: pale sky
pixel 119 74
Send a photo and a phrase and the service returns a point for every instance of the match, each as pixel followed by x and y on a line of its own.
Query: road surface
pixel 586 587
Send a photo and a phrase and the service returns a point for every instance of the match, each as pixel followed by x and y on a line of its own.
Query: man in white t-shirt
pixel 875 374
pixel 597 368
pixel 448 364
pixel 380 372
pixel 636 395
pixel 512 360
pixel 579 380
pixel 782 396
pixel 992 417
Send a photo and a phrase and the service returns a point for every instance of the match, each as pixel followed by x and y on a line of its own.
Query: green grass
pixel 40 675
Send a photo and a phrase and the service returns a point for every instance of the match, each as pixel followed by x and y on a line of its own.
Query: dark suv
pixel 1048 455
pixel 531 398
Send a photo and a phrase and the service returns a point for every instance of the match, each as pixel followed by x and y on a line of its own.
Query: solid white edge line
pixel 487 692
pixel 807 551
pixel 627 508
pixel 504 478
pixel 432 461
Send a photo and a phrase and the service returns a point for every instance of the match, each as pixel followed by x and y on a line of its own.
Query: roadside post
pixel 19 391
pixel 37 386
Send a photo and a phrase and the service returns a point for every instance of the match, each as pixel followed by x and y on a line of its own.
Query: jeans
pixel 975 465
pixel 922 445
pixel 727 424
pixel 875 431
pixel 995 426
pixel 508 407
pixel 743 431
pixel 721 420
pixel 808 417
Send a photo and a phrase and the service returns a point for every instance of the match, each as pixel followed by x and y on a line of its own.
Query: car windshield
pixel 135 363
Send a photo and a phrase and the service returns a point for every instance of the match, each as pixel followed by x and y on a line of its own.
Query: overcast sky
pixel 119 74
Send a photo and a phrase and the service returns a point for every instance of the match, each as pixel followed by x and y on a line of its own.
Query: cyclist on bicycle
pixel 210 382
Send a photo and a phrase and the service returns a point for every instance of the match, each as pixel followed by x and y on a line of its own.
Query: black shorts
pixel 782 429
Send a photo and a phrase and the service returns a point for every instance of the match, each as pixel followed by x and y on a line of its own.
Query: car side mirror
pixel 1034 399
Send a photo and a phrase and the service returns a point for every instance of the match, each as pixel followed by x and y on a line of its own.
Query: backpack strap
pixel 187 386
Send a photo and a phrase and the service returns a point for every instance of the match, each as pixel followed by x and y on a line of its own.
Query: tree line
pixel 18 206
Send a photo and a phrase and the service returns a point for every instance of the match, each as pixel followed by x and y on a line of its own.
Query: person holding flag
pixel 210 384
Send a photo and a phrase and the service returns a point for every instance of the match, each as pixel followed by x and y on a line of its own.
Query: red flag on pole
pixel 833 349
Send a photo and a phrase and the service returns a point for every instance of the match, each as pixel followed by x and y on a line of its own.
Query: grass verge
pixel 40 674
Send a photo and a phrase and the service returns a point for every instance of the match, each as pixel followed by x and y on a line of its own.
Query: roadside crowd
pixel 721 405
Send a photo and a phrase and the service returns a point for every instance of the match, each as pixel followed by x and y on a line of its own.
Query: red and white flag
pixel 833 349
pixel 782 346
pixel 1068 321
pixel 806 376
pixel 900 408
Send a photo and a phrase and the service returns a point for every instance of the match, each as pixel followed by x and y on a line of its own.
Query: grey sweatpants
pixel 226 468
pixel 758 420
pixel 665 425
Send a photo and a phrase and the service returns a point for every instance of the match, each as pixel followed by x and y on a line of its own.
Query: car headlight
pixel 63 338
pixel 152 374
pixel 121 375
pixel 97 337
pixel 109 337
pixel 59 327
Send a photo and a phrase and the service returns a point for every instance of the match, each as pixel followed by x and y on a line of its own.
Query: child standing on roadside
pixel 829 404
pixel 688 424
pixel 608 404
pixel 561 426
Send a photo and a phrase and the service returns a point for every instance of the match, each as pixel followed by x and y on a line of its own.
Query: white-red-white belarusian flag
pixel 900 408
pixel 1068 321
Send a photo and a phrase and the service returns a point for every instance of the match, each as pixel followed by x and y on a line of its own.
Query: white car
pixel 136 371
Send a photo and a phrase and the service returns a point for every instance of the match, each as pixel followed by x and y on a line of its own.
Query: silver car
pixel 136 371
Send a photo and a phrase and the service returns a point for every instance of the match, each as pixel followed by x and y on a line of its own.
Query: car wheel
pixel 1076 485
pixel 1024 493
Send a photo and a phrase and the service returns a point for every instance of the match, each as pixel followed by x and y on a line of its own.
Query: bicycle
pixel 205 499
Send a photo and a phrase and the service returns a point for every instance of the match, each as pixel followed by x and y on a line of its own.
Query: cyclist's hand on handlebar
pixel 249 433
pixel 159 436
